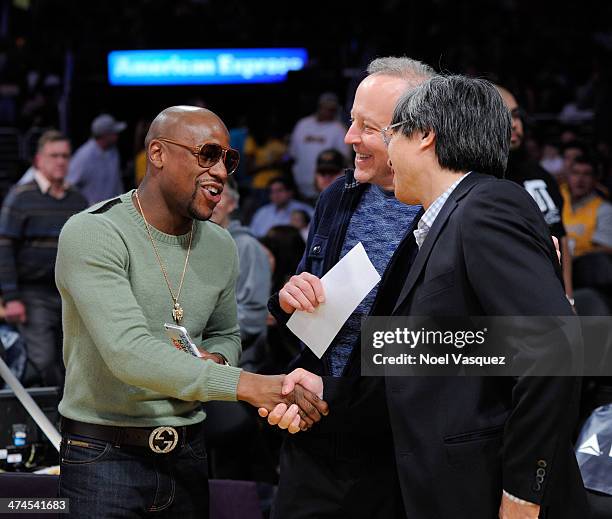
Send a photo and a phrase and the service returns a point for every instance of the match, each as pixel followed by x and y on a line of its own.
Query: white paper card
pixel 345 286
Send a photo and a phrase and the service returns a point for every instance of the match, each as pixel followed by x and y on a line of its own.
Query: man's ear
pixel 428 139
pixel 155 154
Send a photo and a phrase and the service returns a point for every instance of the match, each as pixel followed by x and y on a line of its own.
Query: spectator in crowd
pixel 254 278
pixel 95 168
pixel 539 184
pixel 570 151
pixel 587 216
pixel 300 219
pixel 330 166
pixel 265 158
pixel 264 151
pixel 40 108
pixel 32 217
pixel 567 135
pixel 286 246
pixel 312 135
pixel 278 211
pixel 358 208
pixel 552 161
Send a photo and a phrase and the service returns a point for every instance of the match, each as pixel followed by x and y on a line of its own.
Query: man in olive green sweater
pixel 131 414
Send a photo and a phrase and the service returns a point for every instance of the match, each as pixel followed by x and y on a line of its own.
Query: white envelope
pixel 345 286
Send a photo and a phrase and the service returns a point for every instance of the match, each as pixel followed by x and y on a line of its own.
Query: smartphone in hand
pixel 181 340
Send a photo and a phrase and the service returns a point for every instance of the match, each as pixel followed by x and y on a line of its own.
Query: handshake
pixel 293 402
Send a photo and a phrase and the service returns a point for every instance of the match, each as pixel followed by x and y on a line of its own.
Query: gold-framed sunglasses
pixel 209 153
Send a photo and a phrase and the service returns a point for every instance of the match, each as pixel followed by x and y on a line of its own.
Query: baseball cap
pixel 105 124
pixel 330 160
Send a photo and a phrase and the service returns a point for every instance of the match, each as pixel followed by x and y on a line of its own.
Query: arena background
pixel 549 53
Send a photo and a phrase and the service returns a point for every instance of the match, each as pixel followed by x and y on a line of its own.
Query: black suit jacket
pixel 460 440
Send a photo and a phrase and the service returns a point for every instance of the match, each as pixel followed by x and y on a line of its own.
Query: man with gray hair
pixel 345 466
pixel 491 446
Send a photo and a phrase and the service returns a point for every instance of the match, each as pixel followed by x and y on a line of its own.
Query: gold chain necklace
pixel 177 310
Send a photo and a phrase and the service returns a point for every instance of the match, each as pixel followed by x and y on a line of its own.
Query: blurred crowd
pixel 267 207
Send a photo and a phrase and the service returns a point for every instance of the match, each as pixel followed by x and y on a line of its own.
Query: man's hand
pixel 303 401
pixel 293 385
pixel 512 510
pixel 215 357
pixel 302 292
pixel 265 392
pixel 312 382
pixel 15 312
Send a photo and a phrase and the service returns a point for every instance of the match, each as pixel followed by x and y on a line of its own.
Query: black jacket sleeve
pixel 501 218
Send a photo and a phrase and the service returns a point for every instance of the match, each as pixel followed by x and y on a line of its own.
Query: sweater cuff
pixel 222 382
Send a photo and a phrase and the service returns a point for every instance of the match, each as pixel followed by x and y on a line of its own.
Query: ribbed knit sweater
pixel 30 224
pixel 121 369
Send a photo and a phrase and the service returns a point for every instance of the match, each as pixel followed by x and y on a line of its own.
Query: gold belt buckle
pixel 163 440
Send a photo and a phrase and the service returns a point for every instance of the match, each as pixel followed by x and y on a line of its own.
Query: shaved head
pixel 174 176
pixel 175 121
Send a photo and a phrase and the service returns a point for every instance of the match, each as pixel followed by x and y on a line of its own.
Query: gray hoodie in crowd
pixel 254 280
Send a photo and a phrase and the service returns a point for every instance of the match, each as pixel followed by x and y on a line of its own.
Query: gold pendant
pixel 177 313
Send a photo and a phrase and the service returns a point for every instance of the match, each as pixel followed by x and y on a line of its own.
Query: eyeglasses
pixel 210 153
pixel 387 133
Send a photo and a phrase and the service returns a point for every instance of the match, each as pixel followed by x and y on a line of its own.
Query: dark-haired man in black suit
pixel 475 447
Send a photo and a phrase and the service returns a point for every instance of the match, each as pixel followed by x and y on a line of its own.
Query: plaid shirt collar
pixel 429 216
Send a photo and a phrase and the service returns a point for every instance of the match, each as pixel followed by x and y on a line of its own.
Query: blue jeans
pixel 103 481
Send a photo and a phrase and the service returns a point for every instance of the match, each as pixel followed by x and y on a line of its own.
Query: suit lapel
pixel 421 259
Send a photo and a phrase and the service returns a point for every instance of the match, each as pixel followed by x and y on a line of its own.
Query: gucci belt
pixel 160 440
pixel 163 440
